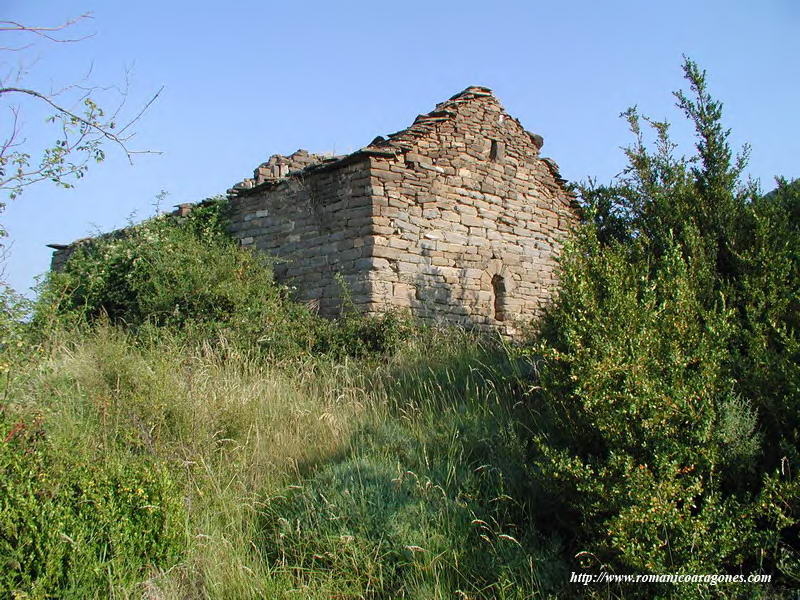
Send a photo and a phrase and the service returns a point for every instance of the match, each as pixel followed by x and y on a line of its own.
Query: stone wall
pixel 62 252
pixel 457 218
pixel 314 221
pixel 468 220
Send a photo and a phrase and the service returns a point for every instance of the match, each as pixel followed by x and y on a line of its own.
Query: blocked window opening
pixel 497 151
pixel 499 289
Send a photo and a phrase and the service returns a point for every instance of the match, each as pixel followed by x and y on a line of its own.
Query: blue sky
pixel 244 80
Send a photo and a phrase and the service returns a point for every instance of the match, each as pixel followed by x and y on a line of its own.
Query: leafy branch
pixel 85 128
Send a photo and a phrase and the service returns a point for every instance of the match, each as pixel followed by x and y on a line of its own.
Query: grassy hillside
pixel 173 425
pixel 341 478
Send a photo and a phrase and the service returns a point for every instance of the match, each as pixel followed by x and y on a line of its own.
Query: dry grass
pixel 248 439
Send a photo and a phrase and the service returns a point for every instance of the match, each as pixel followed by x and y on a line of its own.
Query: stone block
pixel 387 252
pixel 471 221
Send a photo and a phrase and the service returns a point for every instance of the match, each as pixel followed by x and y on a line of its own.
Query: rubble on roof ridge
pixel 279 167
pixel 476 90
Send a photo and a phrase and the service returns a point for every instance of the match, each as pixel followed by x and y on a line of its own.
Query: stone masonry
pixel 456 218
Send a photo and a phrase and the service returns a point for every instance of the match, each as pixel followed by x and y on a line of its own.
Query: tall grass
pixel 173 425
pixel 389 478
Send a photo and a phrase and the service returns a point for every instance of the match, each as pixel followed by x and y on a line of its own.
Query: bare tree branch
pixel 141 112
pixel 85 127
pixel 45 32
pixel 15 49
pixel 93 125
pixel 11 141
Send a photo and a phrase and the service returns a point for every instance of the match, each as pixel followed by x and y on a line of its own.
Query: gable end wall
pixel 469 222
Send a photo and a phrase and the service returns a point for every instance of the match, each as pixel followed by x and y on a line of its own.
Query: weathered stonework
pixel 456 218
pixel 316 222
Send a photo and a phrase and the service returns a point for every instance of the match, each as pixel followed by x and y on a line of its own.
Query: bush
pixel 767 342
pixel 648 437
pixel 188 275
pixel 355 335
pixel 182 273
pixel 75 528
pixel 669 366
pixel 15 343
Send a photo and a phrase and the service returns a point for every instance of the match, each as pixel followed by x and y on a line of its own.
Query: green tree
pixel 669 366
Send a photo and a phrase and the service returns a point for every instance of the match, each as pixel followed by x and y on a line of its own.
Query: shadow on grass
pixel 432 495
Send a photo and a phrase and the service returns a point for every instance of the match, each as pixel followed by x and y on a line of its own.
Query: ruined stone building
pixel 456 218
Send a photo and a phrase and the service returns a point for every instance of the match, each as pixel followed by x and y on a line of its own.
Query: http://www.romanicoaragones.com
pixel 709 579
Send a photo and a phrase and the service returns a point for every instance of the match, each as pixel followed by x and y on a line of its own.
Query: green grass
pixel 387 478
pixel 222 441
pixel 144 465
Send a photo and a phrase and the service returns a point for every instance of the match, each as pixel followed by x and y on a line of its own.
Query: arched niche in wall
pixel 499 293
pixel 498 279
